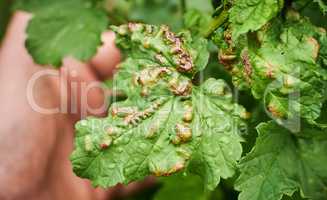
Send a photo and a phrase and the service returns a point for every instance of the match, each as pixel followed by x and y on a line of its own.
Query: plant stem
pixel 216 22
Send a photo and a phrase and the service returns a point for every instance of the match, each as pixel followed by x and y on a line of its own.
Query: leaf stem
pixel 216 22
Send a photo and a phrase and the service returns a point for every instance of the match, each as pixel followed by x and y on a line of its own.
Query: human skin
pixel 35 147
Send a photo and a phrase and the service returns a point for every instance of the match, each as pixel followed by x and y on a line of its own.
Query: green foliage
pixel 285 58
pixel 174 121
pixel 35 6
pixel 195 21
pixel 280 164
pixel 156 11
pixel 61 29
pixel 322 4
pixel 151 12
pixel 251 15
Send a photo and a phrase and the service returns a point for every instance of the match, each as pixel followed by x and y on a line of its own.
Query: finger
pixel 107 57
pixel 86 96
pixel 28 133
pixel 22 136
pixel 85 93
pixel 84 89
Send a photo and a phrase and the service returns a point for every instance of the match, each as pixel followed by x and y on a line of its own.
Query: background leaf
pixel 280 163
pixel 251 15
pixel 284 65
pixel 61 31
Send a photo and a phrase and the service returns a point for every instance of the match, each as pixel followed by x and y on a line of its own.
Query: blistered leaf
pixel 251 15
pixel 281 164
pixel 284 66
pixel 164 47
pixel 63 30
pixel 167 124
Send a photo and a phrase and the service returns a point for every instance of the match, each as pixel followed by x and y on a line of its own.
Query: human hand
pixel 34 146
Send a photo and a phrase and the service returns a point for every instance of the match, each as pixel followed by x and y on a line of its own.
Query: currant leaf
pixel 323 5
pixel 284 66
pixel 166 124
pixel 35 6
pixel 64 30
pixel 196 21
pixel 164 47
pixel 251 15
pixel 281 164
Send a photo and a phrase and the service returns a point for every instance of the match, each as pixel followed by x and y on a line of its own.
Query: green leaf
pixel 280 164
pixel 152 11
pixel 203 6
pixel 35 6
pixel 284 66
pixel 61 31
pixel 196 21
pixel 322 5
pixel 157 49
pixel 158 12
pixel 251 15
pixel 265 170
pixel 32 5
pixel 163 127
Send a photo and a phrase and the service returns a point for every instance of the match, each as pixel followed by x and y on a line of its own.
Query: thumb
pixel 107 57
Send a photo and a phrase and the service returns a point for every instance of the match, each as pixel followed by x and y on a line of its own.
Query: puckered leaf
pixel 251 15
pixel 65 29
pixel 285 67
pixel 280 164
pixel 162 46
pixel 167 124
